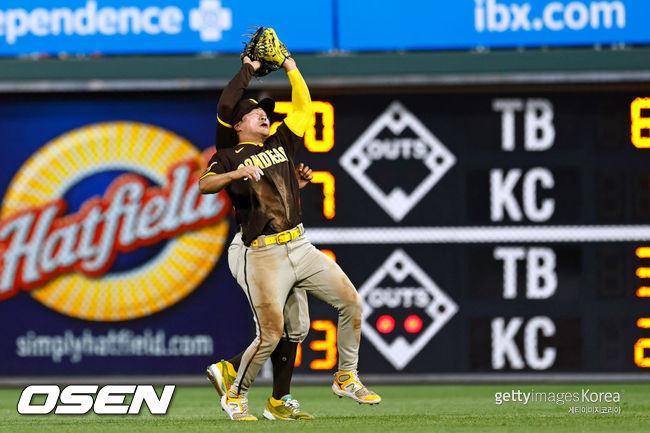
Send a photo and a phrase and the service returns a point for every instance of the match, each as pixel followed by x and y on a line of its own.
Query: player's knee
pixel 271 325
pixel 271 335
pixel 353 305
pixel 275 332
pixel 358 304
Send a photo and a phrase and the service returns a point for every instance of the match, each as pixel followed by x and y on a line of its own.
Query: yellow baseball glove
pixel 265 47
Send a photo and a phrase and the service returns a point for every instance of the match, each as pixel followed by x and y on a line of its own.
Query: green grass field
pixel 417 408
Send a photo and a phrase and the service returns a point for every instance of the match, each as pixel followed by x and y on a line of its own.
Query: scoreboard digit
pixel 640 114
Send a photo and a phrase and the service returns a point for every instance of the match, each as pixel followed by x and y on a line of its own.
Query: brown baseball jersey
pixel 272 204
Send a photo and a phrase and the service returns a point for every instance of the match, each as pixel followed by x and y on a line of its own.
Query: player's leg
pixel 283 359
pixel 296 313
pixel 281 405
pixel 296 328
pixel 222 374
pixel 322 277
pixel 261 275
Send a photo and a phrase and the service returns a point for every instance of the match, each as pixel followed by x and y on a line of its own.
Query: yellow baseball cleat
pixel 222 375
pixel 347 384
pixel 286 409
pixel 236 406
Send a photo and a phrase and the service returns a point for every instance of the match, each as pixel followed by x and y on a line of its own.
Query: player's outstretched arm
pixel 301 113
pixel 212 183
pixel 229 99
pixel 235 90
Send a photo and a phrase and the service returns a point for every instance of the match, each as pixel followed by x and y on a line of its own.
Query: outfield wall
pixel 489 230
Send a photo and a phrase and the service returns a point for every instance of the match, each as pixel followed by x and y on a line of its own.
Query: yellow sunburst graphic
pixel 140 148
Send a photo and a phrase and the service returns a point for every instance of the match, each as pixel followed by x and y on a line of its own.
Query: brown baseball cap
pixel 247 105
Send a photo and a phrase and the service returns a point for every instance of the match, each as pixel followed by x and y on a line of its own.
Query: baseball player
pixel 281 405
pixel 274 256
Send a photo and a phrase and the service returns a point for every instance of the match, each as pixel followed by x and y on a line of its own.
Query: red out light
pixel 385 324
pixel 413 324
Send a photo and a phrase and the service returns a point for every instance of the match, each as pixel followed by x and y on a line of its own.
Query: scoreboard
pixel 486 231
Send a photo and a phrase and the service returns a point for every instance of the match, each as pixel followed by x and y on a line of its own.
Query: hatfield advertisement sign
pixel 46 247
pixel 197 26
pixel 107 249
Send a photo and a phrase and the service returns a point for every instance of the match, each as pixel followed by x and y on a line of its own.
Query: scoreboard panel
pixel 485 231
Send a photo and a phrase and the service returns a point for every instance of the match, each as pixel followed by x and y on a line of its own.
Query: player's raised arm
pixel 302 112
pixel 228 101
pixel 234 91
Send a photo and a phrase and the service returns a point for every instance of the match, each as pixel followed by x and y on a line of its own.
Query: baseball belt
pixel 278 238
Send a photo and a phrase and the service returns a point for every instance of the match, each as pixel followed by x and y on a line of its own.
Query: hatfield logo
pixel 66 260
pixel 397 135
pixel 400 288
pixel 210 19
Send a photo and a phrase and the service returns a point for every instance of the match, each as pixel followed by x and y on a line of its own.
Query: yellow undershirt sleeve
pixel 301 113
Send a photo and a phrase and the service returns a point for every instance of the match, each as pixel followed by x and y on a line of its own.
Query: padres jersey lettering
pixel 272 204
pixel 265 159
